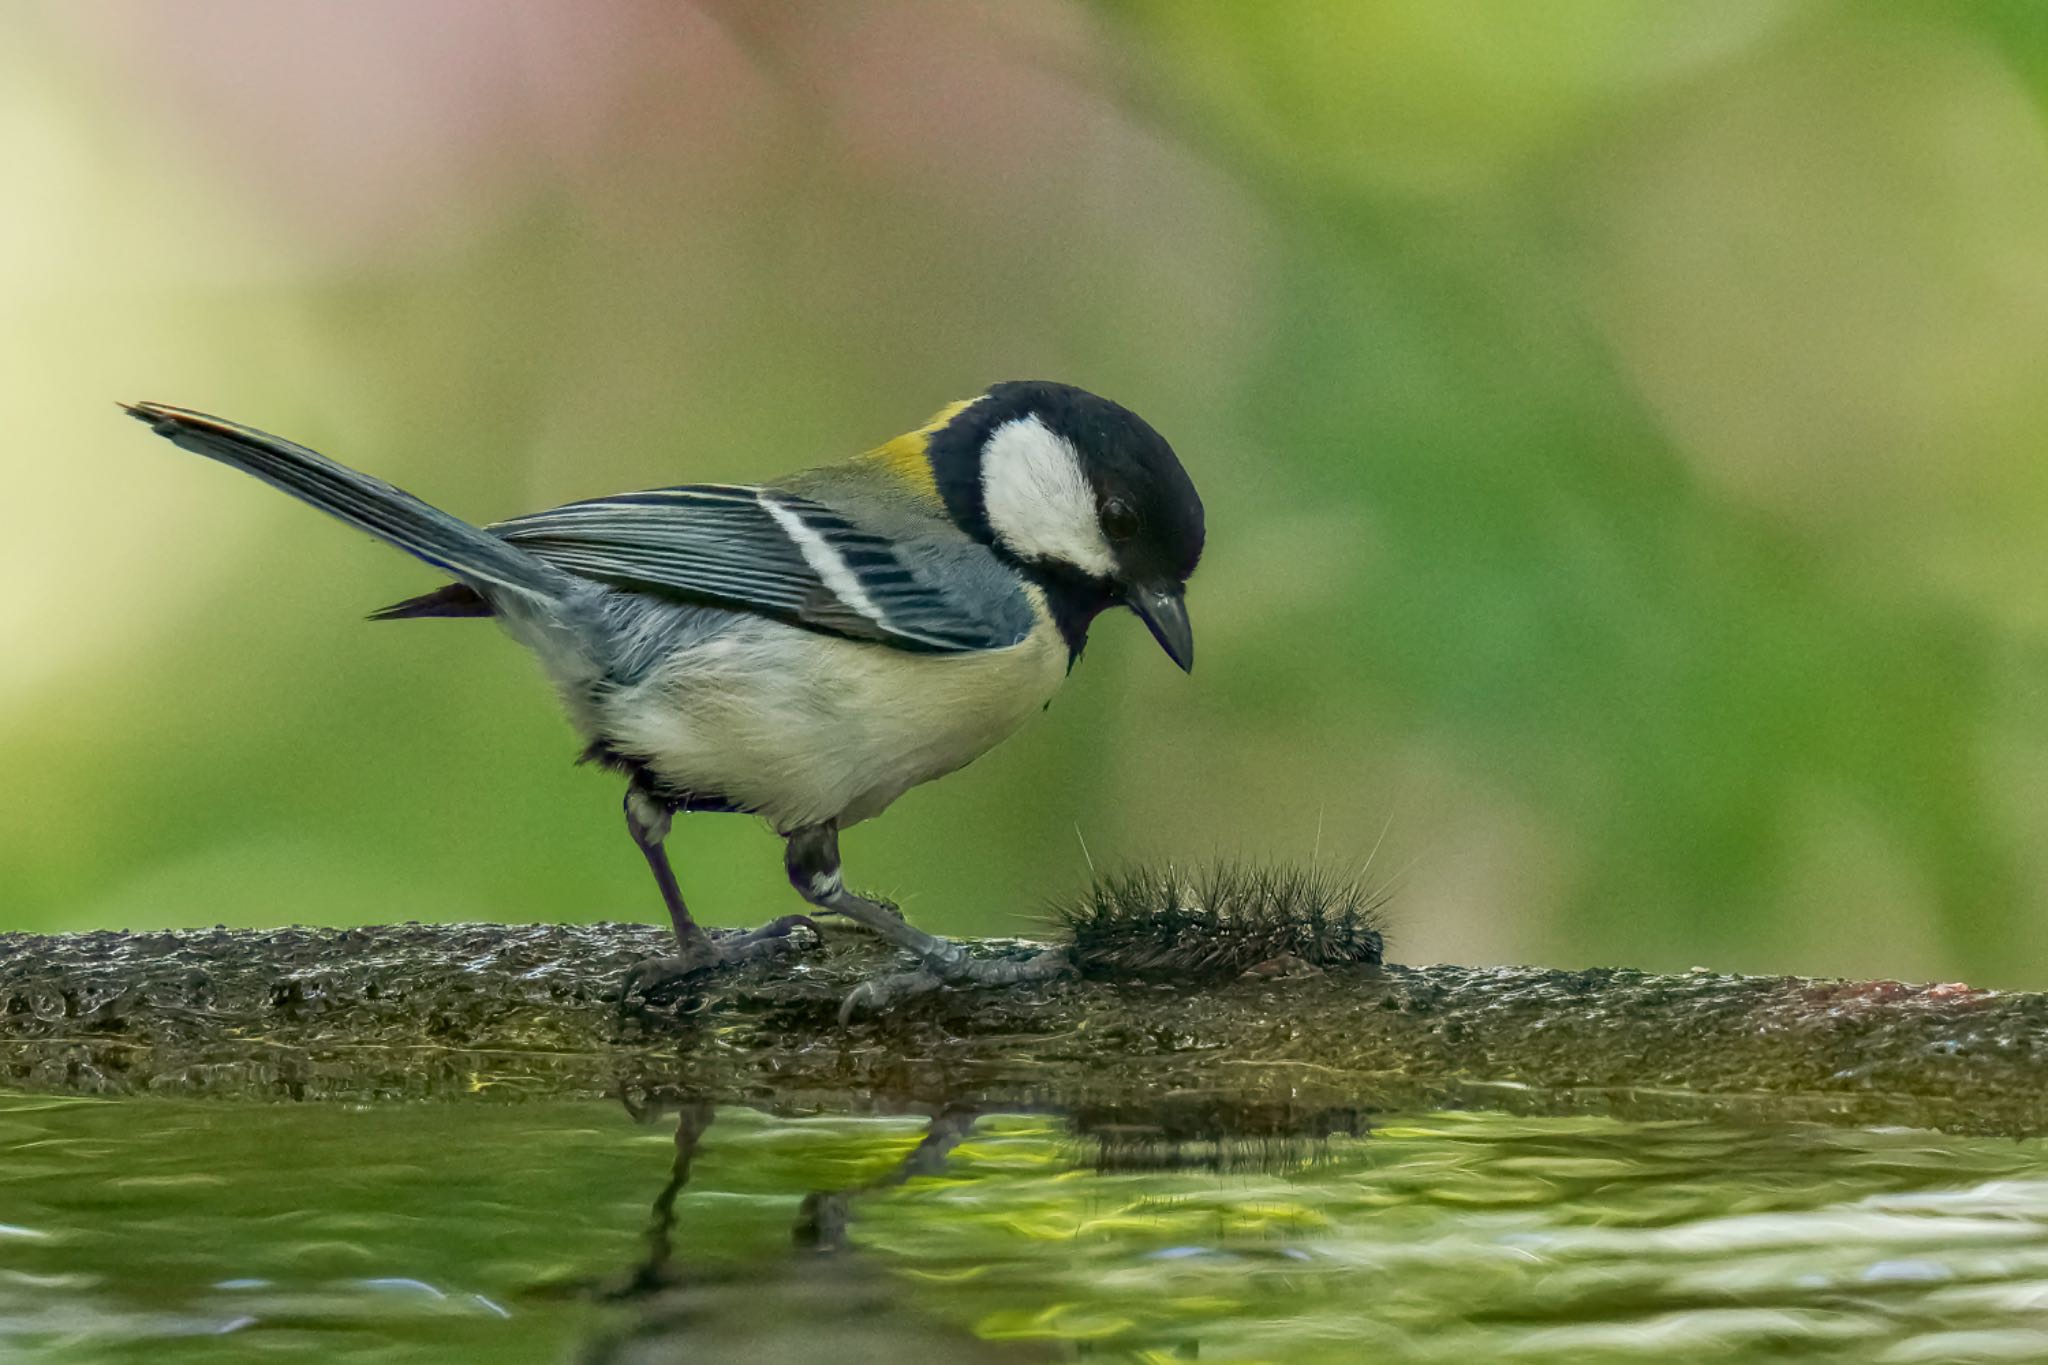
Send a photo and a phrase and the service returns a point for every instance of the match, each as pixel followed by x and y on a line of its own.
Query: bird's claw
pixel 954 968
pixel 879 992
pixel 657 975
pixel 645 980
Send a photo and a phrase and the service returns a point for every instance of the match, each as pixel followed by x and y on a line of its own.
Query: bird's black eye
pixel 1119 522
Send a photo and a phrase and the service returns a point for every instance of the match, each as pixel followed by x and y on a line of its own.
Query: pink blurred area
pixel 364 122
pixel 368 124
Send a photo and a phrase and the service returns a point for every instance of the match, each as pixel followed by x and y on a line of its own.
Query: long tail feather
pixel 466 552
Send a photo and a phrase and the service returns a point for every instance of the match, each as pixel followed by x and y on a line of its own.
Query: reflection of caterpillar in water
pixel 1209 1132
pixel 1223 920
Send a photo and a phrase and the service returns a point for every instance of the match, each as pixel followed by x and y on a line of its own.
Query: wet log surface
pixel 494 1012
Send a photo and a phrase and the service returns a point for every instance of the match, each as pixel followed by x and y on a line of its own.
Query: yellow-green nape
pixel 948 413
pixel 905 458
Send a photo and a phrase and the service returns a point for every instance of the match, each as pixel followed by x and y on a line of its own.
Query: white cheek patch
pixel 1039 503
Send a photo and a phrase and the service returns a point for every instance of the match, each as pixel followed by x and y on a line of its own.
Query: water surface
pixel 543 1230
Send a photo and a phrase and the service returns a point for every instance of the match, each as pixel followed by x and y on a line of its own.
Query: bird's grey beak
pixel 1166 612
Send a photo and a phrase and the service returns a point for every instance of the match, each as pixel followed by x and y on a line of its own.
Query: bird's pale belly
pixel 804 728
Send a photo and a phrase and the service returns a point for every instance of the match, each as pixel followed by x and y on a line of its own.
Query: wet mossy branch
pixel 443 1011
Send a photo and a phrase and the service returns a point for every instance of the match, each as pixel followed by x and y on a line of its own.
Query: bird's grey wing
pixel 778 554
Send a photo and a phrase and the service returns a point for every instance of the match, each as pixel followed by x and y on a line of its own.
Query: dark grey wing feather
pixel 775 554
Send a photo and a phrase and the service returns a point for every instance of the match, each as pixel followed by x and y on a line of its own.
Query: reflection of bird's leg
pixel 812 858
pixel 821 1223
pixel 654 1273
pixel 648 820
pixel 948 1130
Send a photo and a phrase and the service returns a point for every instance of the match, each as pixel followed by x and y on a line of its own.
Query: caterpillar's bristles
pixel 1222 920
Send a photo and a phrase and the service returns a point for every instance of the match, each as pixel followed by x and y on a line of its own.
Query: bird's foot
pixel 704 953
pixel 772 939
pixel 878 993
pixel 948 964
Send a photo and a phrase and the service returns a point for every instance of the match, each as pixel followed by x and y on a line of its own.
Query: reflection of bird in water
pixel 827 1300
pixel 822 1302
pixel 821 1226
pixel 655 1273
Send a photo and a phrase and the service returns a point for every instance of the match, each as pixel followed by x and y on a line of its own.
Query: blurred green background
pixel 1622 424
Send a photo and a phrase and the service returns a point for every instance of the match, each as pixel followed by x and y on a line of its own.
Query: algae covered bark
pixel 500 1012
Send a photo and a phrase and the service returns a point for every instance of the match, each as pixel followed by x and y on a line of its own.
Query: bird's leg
pixel 648 821
pixel 812 858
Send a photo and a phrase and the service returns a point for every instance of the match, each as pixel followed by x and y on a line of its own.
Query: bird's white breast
pixel 805 728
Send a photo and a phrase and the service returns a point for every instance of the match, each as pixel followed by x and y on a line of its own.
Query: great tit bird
pixel 808 649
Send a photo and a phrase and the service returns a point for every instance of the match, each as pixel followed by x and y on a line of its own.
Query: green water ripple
pixel 173 1230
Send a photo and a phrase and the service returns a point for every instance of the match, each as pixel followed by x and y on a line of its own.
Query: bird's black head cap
pixel 1083 495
